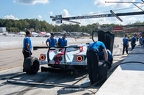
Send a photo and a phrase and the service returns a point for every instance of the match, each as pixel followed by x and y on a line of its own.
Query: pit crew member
pixel 92 59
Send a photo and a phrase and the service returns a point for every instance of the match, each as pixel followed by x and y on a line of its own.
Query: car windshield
pixel 71 49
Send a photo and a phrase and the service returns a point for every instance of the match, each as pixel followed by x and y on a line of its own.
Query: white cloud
pixel 50 13
pixel 141 7
pixel 91 13
pixel 113 20
pixel 10 17
pixel 39 16
pixel 30 2
pixel 65 13
pixel 106 3
pixel 129 19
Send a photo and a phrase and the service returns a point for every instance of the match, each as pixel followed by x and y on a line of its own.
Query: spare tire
pixel 31 65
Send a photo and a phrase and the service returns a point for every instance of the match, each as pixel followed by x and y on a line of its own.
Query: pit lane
pixel 44 83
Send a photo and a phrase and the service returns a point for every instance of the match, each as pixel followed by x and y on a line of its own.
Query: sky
pixel 43 9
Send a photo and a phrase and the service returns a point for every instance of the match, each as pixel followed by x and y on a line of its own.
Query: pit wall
pixel 128 78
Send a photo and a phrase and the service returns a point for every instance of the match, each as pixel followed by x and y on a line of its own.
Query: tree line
pixel 37 25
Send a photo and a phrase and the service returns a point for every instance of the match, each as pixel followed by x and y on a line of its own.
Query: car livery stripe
pixel 57 58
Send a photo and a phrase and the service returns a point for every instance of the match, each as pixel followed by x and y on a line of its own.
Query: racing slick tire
pixel 102 72
pixel 31 65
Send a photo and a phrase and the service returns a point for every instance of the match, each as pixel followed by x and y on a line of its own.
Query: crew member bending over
pixel 92 54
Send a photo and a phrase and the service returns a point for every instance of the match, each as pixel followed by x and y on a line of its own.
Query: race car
pixel 59 59
pixel 67 58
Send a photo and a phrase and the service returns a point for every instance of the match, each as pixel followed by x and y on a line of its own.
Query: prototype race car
pixel 67 58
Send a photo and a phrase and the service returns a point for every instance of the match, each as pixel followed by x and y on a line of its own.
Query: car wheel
pixel 31 65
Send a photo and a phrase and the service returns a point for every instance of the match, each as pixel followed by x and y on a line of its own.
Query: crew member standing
pixel 62 41
pixel 51 42
pixel 125 44
pixel 140 40
pixel 133 42
pixel 93 58
pixel 27 46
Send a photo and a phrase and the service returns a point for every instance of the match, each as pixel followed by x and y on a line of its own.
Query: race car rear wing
pixel 53 48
